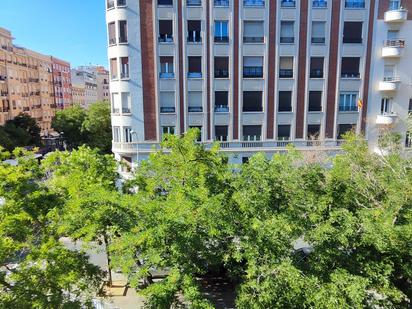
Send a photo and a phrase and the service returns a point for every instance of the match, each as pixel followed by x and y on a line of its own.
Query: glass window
pixel 195 102
pixel 348 102
pixel 221 31
pixel 128 136
pixel 283 132
pixel 116 134
pixel 318 32
pixel 167 101
pixel 287 35
pixel 285 101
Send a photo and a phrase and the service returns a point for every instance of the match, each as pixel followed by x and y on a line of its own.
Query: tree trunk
pixel 109 269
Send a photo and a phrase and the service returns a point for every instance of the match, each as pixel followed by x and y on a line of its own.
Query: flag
pixel 360 104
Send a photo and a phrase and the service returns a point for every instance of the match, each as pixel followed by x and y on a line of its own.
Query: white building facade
pixel 255 75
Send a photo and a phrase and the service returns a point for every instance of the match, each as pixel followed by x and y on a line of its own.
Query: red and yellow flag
pixel 360 103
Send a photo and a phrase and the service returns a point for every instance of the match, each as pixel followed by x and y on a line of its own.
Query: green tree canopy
pixel 20 132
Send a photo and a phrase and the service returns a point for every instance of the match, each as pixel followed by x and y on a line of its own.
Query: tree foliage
pixel 21 131
pixel 91 127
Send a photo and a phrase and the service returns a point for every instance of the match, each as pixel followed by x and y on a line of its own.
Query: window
pixel 126 103
pixel 316 67
pixel 165 31
pixel 345 128
pixel 121 2
pixel 194 28
pixel 283 132
pixel 224 3
pixel 195 67
pixel 252 67
pixel 167 102
pixel 166 67
pixel 221 67
pixel 386 106
pixel 123 31
pixel 319 3
pixel 287 35
pixel 285 101
pixel 253 32
pixel 288 3
pixel 221 31
pixel 313 131
pixel 253 2
pixel 112 33
pixel 252 101
pixel 165 2
pixel 355 4
pixel 195 102
pixel 315 101
pixel 116 103
pixel 352 32
pixel 350 67
pixel 221 101
pixel 389 73
pixel 286 67
pixel 245 160
pixel 408 139
pixel 194 2
pixel 252 133
pixel 110 4
pixel 168 130
pixel 124 67
pixel 318 32
pixel 113 68
pixel 394 5
pixel 199 128
pixel 128 136
pixel 348 102
pixel 410 106
pixel 221 133
pixel 116 134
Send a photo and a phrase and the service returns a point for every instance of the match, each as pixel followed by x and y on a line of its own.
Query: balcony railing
pixel 318 40
pixel 252 72
pixel 224 3
pixel 194 38
pixel 253 3
pixel 287 39
pixel 316 73
pixel 350 75
pixel 126 110
pixel 221 108
pixel 195 109
pixel 167 109
pixel 286 73
pixel 394 43
pixel 166 38
pixel 320 3
pixel 194 2
pixel 221 73
pixel 392 79
pixel 166 75
pixel 221 39
pixel 288 3
pixel 354 4
pixel 253 39
pixel 348 108
pixel 194 74
pixel 352 40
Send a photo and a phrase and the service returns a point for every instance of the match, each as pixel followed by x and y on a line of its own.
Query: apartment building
pixel 84 82
pixel 391 74
pixel 62 83
pixel 256 75
pixel 103 86
pixel 30 83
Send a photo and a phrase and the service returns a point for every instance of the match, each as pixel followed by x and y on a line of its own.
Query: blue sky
pixel 73 30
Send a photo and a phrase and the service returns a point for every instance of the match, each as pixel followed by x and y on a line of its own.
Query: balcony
pixel 194 2
pixel 253 72
pixel 392 48
pixel 167 109
pixel 165 38
pixel 221 73
pixel 288 3
pixel 258 3
pixel 222 3
pixel 195 109
pixel 389 83
pixel 396 15
pixel 166 75
pixel 221 108
pixel 386 119
pixel 319 4
pixel 354 4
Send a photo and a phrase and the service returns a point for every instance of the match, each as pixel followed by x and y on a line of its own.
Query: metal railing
pixel 253 3
pixel 194 2
pixel 221 73
pixel 393 79
pixel 288 3
pixel 221 39
pixel 319 3
pixel 221 108
pixel 253 39
pixel 167 109
pixel 318 73
pixel 166 75
pixel 252 72
pixel 350 74
pixel 166 38
pixel 195 109
pixel 348 108
pixel 355 4
pixel 287 39
pixel 318 40
pixel 194 74
pixel 394 43
pixel 224 3
pixel 286 73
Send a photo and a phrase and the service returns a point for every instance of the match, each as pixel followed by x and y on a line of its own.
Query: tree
pixel 185 220
pixel 36 270
pixel 20 132
pixel 69 122
pixel 97 126
pixel 94 209
pixel 91 127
